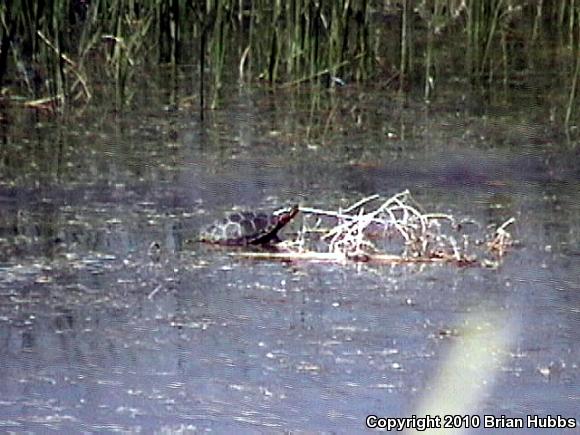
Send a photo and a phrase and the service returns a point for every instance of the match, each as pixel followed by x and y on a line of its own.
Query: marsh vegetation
pixel 62 54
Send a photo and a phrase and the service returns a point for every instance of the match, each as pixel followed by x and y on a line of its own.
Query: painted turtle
pixel 248 228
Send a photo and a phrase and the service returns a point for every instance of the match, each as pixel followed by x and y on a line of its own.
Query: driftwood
pixel 329 257
pixel 400 222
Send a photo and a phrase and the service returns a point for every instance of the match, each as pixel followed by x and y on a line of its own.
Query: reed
pixel 575 77
pixel 58 50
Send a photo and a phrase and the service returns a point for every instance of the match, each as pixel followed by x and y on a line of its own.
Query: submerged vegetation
pixel 64 53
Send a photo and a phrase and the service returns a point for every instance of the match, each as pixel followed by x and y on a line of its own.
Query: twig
pixel 502 239
pixel 154 292
pixel 503 226
pixel 335 214
pixel 361 202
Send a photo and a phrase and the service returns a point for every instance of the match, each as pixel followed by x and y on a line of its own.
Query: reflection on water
pixel 98 333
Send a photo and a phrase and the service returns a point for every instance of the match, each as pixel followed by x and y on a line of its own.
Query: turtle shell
pixel 248 227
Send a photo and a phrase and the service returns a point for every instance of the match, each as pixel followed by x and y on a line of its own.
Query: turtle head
pixel 286 214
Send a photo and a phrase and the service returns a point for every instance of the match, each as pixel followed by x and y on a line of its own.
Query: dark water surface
pixel 98 335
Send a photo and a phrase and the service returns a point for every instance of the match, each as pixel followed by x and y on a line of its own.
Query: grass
pixel 56 52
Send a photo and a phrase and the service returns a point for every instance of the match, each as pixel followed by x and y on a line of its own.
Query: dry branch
pixel 400 223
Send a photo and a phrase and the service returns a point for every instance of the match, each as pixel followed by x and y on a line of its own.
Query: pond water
pixel 99 334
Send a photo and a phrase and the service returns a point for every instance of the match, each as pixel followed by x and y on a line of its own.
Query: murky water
pixel 99 335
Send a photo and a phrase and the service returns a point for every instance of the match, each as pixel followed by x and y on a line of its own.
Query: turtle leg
pixel 275 239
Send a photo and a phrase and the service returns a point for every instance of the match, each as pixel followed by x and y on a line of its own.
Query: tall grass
pixel 576 74
pixel 58 52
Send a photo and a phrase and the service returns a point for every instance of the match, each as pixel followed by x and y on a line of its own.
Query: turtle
pixel 245 228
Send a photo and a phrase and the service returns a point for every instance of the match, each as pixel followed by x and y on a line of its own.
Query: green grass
pixel 56 52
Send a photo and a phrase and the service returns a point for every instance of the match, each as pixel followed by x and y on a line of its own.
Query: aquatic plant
pixel 58 52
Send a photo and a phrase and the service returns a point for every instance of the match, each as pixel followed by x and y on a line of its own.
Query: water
pixel 99 335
